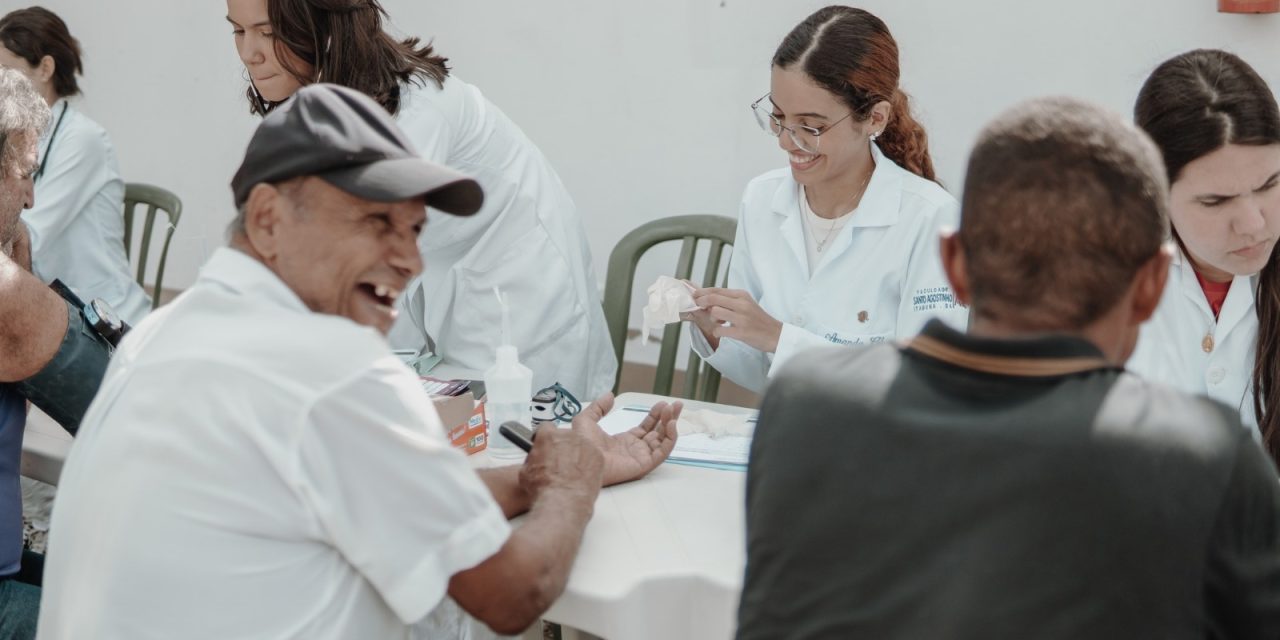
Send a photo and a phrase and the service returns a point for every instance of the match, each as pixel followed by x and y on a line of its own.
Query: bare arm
pixel 561 477
pixel 504 484
pixel 33 318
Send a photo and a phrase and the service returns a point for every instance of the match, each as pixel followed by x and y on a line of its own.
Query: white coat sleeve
pixel 743 364
pixel 78 168
pixel 431 134
pixel 388 491
pixel 792 341
pixel 429 130
pixel 926 292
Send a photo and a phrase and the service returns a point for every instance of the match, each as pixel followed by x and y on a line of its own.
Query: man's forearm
pixel 504 484
pixel 512 589
pixel 551 534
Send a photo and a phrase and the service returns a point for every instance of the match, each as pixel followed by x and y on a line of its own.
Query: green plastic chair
pixel 701 382
pixel 154 199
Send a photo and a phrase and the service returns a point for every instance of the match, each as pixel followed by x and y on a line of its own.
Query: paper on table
pixel 692 448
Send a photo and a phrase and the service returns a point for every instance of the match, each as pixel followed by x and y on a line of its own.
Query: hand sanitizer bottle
pixel 508 391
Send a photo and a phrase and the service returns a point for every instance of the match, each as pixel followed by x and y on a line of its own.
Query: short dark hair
pixel 36 32
pixel 1063 203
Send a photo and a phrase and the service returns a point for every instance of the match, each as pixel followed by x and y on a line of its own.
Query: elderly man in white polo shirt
pixel 258 464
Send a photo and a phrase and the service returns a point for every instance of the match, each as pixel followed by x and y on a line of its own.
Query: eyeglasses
pixel 807 138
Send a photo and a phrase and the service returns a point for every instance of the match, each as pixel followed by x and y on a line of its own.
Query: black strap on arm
pixel 66 385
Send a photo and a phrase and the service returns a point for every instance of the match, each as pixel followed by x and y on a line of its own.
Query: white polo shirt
pixel 251 469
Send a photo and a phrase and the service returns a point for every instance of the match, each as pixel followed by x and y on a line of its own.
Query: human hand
pixel 702 320
pixel 630 455
pixel 563 460
pixel 740 317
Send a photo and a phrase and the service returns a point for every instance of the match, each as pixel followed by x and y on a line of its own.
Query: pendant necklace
pixel 830 230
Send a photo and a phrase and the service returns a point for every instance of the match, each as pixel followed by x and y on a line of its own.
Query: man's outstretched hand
pixel 634 453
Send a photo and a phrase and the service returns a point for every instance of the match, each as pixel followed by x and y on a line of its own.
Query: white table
pixel 662 557
pixel 44 447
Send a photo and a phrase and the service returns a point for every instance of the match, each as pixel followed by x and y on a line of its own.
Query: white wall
pixel 641 106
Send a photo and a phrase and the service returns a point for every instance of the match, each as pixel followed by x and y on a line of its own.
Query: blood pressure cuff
pixel 64 388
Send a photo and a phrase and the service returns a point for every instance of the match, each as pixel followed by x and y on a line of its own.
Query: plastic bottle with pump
pixel 508 388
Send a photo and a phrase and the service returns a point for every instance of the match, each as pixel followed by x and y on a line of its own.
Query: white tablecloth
pixel 663 557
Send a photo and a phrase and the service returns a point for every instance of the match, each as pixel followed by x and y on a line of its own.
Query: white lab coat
pixel 881 280
pixel 1170 346
pixel 77 223
pixel 527 240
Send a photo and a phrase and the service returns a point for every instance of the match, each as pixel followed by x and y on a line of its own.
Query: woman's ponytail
pixel 904 141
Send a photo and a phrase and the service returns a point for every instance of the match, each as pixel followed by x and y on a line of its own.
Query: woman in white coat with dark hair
pixel 841 247
pixel 77 223
pixel 527 240
pixel 1217 330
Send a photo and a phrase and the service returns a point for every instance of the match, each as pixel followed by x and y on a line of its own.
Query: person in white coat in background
pixel 77 223
pixel 842 246
pixel 528 240
pixel 1217 330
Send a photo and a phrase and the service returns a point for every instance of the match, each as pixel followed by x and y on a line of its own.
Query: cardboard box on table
pixel 464 421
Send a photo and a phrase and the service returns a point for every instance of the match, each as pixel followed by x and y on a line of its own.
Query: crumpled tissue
pixel 668 298
pixel 714 423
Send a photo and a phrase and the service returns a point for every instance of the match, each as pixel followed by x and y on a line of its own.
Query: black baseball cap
pixel 343 137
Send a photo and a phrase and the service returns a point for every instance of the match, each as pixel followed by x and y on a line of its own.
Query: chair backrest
pixel 153 199
pixel 702 382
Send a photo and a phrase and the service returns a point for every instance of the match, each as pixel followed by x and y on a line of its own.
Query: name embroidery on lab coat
pixel 835 338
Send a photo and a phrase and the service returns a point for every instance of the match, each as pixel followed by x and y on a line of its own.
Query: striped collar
pixel 1044 356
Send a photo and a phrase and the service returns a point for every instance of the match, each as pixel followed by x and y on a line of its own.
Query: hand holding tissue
pixel 668 298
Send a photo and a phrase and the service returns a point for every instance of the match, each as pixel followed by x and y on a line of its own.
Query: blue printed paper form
pixel 700 449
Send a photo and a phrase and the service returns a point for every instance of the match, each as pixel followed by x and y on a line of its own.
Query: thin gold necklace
pixel 831 229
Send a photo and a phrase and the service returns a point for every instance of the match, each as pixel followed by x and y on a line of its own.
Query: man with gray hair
pixel 47 353
pixel 1014 481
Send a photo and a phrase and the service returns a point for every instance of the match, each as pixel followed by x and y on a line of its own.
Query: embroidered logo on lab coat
pixel 933 298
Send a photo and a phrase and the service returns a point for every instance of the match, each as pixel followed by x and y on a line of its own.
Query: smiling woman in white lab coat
pixel 1217 124
pixel 527 239
pixel 842 246
pixel 77 223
